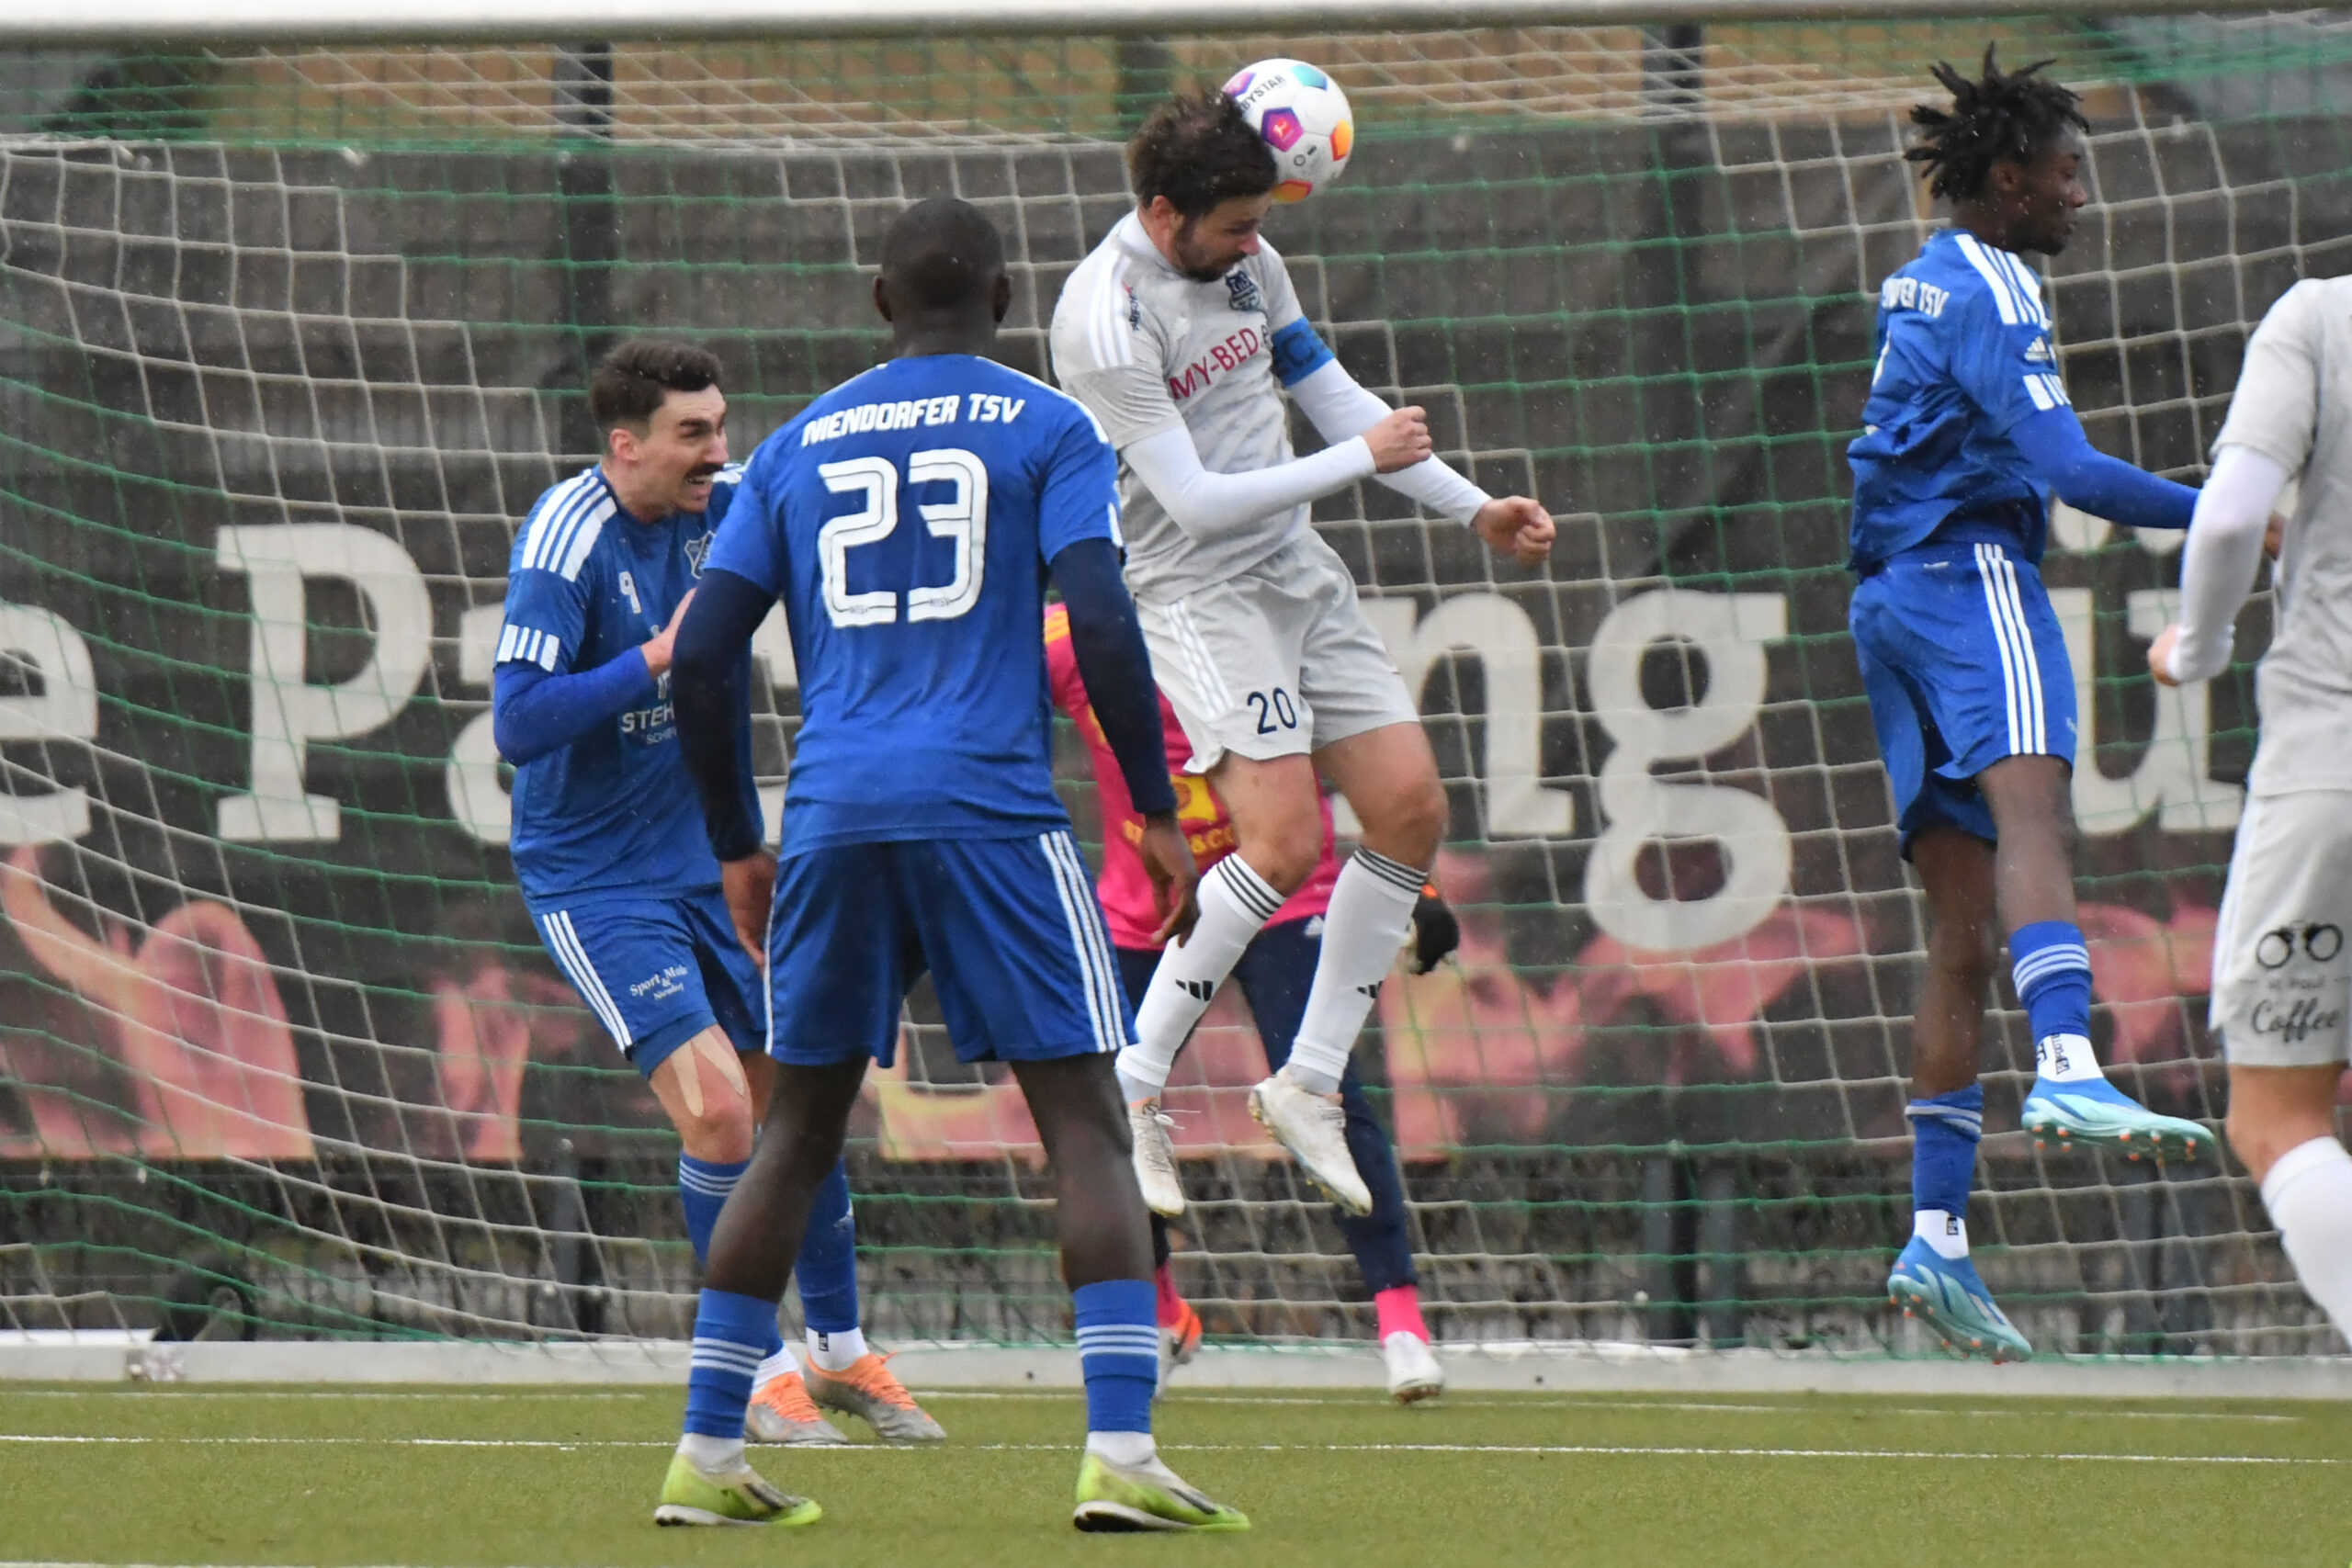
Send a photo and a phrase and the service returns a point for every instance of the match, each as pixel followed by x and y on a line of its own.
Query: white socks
pixel 1371 911
pixel 2309 1195
pixel 2066 1058
pixel 1947 1233
pixel 777 1363
pixel 716 1456
pixel 836 1352
pixel 1236 903
pixel 1131 1450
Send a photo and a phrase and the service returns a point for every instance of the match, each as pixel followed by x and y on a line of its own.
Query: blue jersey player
pixel 1966 434
pixel 908 519
pixel 608 843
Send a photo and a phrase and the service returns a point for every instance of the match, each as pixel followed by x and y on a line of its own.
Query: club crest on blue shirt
pixel 697 550
pixel 1244 289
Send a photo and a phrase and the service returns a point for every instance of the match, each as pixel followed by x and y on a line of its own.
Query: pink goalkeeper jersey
pixel 1124 887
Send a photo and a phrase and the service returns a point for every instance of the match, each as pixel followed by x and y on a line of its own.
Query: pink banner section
pixel 188 1011
pixel 173 1041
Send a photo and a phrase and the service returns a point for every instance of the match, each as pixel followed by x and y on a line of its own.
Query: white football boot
pixel 1413 1372
pixel 1313 1129
pixel 1154 1159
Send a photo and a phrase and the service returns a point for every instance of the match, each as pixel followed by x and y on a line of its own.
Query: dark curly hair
pixel 2012 115
pixel 1197 151
pixel 632 380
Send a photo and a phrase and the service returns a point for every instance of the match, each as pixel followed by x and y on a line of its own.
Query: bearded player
pixel 1966 434
pixel 608 844
pixel 1182 333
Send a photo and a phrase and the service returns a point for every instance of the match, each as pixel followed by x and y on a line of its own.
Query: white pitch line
pixel 1335 1402
pixel 337 1394
pixel 1598 1451
pixel 59 1563
pixel 1666 1450
pixel 1575 1402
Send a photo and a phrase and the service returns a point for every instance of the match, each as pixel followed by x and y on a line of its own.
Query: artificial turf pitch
pixel 208 1475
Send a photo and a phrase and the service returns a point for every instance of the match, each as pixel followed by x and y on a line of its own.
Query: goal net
pixel 291 337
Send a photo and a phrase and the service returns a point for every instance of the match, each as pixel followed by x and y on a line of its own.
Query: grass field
pixel 485 1477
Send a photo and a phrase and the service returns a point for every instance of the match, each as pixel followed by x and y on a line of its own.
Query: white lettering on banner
pixel 2172 776
pixel 289 712
pixel 1498 634
pixel 478 797
pixel 1728 631
pixel 65 708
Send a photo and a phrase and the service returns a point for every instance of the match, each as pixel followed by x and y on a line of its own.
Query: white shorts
pixel 1279 662
pixel 2282 980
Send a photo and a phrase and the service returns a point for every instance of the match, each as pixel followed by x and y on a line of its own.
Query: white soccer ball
pixel 1304 117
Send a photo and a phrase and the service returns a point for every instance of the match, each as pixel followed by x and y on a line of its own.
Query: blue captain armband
pixel 1298 353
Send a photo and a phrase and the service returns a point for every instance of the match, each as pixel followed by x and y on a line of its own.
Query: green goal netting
pixel 290 337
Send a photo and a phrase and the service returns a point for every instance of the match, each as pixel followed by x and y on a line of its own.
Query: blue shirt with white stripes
pixel 906 519
pixel 614 812
pixel 1964 355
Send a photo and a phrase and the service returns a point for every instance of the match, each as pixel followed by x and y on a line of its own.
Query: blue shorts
pixel 657 972
pixel 1965 663
pixel 1008 928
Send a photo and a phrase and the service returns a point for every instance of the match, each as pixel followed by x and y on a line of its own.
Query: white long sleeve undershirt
pixel 1212 507
pixel 2222 554
pixel 1341 408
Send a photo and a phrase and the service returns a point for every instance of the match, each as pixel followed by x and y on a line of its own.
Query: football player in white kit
pixel 2282 980
pixel 1182 333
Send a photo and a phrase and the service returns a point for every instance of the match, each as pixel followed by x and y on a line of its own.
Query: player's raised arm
pixel 2083 477
pixel 1341 408
pixel 1997 332
pixel 2267 437
pixel 1212 507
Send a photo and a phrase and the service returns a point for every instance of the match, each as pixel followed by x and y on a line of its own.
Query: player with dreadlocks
pixel 1966 434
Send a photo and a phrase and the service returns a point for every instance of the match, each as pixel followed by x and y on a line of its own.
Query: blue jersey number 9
pixel 962 519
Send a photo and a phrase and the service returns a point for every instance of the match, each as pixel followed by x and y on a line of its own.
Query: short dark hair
pixel 942 253
pixel 631 382
pixel 1198 150
pixel 2002 115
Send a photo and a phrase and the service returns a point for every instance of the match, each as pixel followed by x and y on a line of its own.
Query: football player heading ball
pixel 1182 333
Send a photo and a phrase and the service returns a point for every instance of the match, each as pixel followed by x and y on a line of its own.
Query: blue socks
pixel 1944 1135
pixel 826 1270
pixel 703 1187
pixel 732 1335
pixel 1118 1352
pixel 2053 970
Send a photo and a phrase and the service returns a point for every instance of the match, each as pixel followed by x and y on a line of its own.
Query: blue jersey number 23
pixel 963 519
